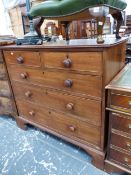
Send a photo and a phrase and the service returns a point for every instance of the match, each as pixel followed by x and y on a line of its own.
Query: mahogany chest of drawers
pixel 119 106
pixel 60 88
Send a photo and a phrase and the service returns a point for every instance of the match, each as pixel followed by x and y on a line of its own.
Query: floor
pixel 34 152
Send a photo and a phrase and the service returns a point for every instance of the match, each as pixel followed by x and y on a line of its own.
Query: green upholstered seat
pixel 62 8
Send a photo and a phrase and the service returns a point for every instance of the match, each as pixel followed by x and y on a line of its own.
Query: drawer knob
pixel 126 159
pixel 20 60
pixel 129 126
pixel 67 63
pixel 68 83
pixel 28 94
pixel 24 75
pixel 129 103
pixel 12 53
pixel 72 128
pixel 32 113
pixel 69 106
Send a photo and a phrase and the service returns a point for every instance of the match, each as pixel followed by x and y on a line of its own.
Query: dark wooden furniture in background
pixel 85 28
pixel 119 107
pixel 60 88
pixel 128 52
pixel 128 24
pixel 7 106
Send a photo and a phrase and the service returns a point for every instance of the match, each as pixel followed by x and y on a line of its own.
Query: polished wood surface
pixel 63 93
pixel 24 58
pixel 78 61
pixel 67 81
pixel 119 141
pixel 63 102
pixel 59 122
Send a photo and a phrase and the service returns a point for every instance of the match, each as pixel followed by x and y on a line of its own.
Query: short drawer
pixel 121 141
pixel 78 61
pixel 71 82
pixel 6 106
pixel 122 102
pixel 60 123
pixel 69 104
pixel 121 122
pixel 23 58
pixel 120 158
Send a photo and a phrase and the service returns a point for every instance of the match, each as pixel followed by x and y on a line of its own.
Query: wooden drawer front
pixel 5 106
pixel 61 123
pixel 63 102
pixel 121 141
pixel 121 122
pixel 120 157
pixel 23 58
pixel 80 61
pixel 121 101
pixel 83 84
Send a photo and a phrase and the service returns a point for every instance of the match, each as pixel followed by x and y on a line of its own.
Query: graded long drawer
pixel 78 61
pixel 27 58
pixel 69 104
pixel 63 124
pixel 121 141
pixel 121 122
pixel 75 83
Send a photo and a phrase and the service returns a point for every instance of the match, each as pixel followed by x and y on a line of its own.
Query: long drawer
pixel 77 83
pixel 63 102
pixel 121 122
pixel 121 141
pixel 120 157
pixel 63 124
pixel 78 61
pixel 26 58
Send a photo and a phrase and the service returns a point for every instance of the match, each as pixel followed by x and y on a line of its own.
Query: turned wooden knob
pixel 69 106
pixel 28 94
pixel 67 63
pixel 72 128
pixel 24 75
pixel 68 83
pixel 20 60
pixel 32 113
